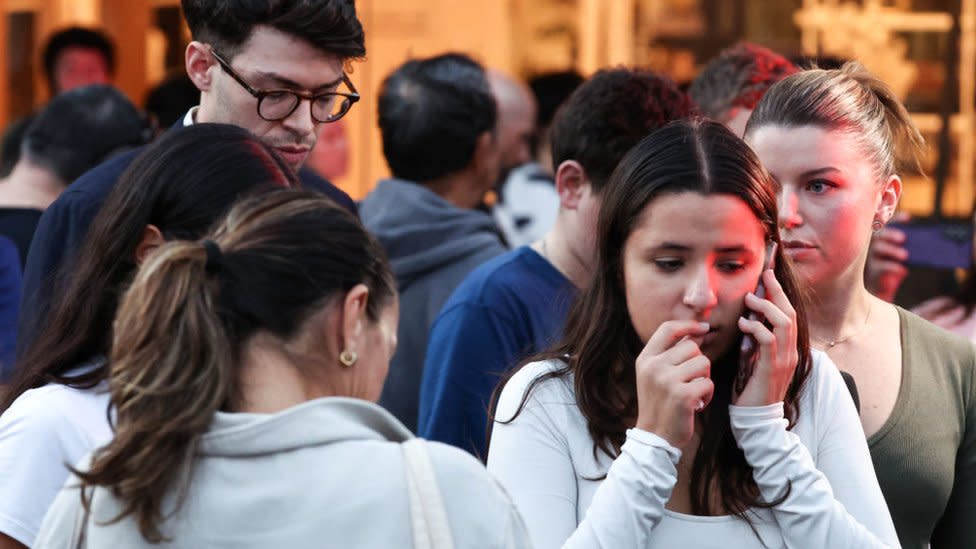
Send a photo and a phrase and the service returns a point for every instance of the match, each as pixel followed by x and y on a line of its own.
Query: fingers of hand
pixel 767 309
pixel 678 365
pixel 764 337
pixel 892 235
pixel 776 302
pixel 698 393
pixel 682 351
pixel 694 368
pixel 670 332
pixel 889 249
pixel 891 268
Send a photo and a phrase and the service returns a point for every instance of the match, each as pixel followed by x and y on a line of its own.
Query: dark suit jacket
pixel 64 224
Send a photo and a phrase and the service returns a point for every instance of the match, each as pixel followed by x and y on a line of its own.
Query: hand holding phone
pixel 748 351
pixel 771 362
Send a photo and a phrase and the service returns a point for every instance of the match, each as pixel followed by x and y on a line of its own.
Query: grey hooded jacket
pixel 328 473
pixel 432 245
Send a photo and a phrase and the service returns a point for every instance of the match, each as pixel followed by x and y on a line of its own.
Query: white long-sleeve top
pixel 545 460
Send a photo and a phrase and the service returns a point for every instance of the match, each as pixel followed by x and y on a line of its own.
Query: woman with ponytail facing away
pixel 56 410
pixel 244 371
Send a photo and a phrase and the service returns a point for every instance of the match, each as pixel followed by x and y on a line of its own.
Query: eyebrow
pixel 807 174
pixel 674 247
pixel 819 171
pixel 292 84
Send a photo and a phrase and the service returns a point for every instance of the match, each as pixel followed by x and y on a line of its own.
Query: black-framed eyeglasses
pixel 278 104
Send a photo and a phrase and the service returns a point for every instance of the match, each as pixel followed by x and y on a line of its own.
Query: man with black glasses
pixel 274 67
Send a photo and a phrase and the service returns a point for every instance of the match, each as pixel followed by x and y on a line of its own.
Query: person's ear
pixel 571 181
pixel 485 157
pixel 152 238
pixel 354 319
pixel 199 65
pixel 890 194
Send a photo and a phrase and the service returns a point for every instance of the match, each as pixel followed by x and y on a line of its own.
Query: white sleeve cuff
pixel 745 416
pixel 647 438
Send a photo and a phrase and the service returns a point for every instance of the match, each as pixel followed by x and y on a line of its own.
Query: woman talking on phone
pixel 682 409
pixel 835 141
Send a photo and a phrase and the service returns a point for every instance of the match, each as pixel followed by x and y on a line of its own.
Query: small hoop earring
pixel 877 226
pixel 348 358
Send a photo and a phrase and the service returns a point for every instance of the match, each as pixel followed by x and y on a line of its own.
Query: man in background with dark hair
pixel 515 305
pixel 273 67
pixel 57 147
pixel 729 87
pixel 437 118
pixel 76 57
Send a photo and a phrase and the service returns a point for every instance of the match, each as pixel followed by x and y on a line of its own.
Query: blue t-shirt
pixel 504 311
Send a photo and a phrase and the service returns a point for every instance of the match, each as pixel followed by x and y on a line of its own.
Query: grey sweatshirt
pixel 432 245
pixel 327 473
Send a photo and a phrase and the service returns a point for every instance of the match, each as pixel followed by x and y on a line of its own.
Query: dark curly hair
pixel 609 114
pixel 329 25
pixel 738 78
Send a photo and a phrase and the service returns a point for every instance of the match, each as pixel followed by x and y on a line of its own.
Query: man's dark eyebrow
pixel 292 84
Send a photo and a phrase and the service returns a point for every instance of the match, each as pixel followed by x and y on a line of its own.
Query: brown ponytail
pixel 906 142
pixel 277 259
pixel 171 370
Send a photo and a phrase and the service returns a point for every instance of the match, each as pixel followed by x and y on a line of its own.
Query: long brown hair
pixel 600 346
pixel 182 184
pixel 278 259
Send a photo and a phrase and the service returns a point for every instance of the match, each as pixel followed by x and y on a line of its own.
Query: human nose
pixel 700 292
pixel 300 120
pixel 789 208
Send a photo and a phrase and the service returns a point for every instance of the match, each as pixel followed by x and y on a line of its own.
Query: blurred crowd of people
pixel 583 311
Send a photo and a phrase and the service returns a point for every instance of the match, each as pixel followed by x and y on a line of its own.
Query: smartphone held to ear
pixel 748 351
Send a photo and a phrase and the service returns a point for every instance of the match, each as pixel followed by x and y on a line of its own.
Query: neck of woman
pixel 270 381
pixel 838 310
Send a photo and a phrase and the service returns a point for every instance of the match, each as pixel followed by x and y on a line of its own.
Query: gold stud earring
pixel 348 358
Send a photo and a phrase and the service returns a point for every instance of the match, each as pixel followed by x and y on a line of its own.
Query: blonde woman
pixel 836 142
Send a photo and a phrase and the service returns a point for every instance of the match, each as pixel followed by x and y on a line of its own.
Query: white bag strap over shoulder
pixel 428 517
